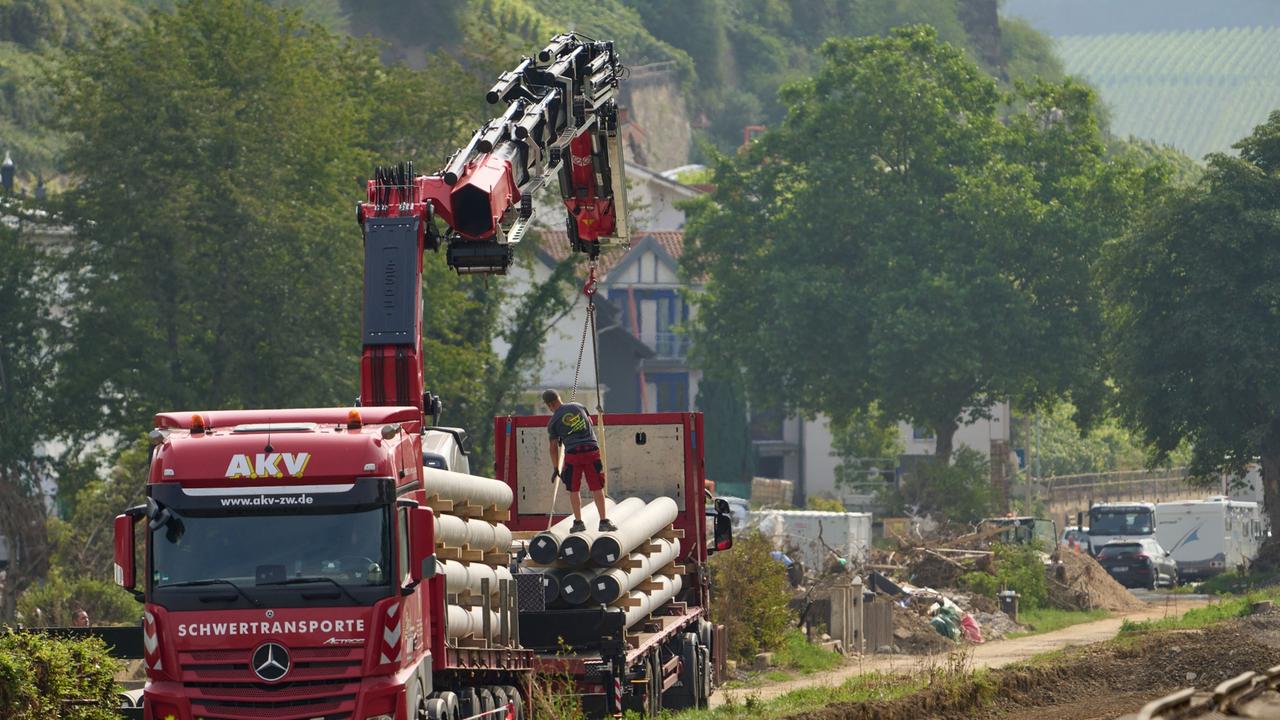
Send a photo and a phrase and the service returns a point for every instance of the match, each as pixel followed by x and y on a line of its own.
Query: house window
pixel 668 392
pixel 766 425
pixel 920 432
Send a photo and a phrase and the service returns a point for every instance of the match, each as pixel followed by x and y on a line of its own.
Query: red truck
pixel 289 573
pixel 289 558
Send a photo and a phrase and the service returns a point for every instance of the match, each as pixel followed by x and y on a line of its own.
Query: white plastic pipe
pixel 545 546
pixel 575 550
pixel 650 601
pixel 460 576
pixel 476 534
pixel 608 548
pixel 465 489
pixel 464 621
pixel 609 585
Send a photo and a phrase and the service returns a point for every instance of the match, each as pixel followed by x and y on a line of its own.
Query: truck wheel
pixel 434 709
pixel 655 684
pixel 486 700
pixel 684 695
pixel 704 668
pixel 451 705
pixel 516 699
pixel 468 702
pixel 499 697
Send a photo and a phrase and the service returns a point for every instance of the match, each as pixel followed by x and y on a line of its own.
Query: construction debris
pixel 1078 582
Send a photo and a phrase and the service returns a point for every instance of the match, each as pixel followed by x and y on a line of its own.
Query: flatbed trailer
pixel 672 658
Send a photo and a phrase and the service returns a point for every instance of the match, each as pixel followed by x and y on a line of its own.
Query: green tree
pixel 29 342
pixel 217 261
pixel 750 596
pixel 1194 316
pixel 730 456
pixel 908 244
pixel 219 265
pixel 863 440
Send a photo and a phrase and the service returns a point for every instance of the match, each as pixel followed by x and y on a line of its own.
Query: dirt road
pixel 988 655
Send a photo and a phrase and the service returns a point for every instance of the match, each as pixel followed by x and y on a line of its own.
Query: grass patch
pixel 802 656
pixel 1229 607
pixel 1044 620
pixel 875 686
pixel 1232 583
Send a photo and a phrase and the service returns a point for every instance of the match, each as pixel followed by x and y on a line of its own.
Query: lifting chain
pixel 589 330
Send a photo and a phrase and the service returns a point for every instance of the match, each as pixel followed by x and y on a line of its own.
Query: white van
pixel 1209 536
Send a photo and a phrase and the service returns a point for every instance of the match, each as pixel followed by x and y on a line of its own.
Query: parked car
pixel 1077 537
pixel 1140 562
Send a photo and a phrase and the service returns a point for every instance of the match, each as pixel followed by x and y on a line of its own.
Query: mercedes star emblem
pixel 270 661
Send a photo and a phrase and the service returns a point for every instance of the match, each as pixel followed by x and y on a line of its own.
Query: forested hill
pixel 726 58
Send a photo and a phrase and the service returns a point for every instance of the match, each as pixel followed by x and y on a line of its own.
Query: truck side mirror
pixel 125 569
pixel 722 506
pixel 422 544
pixel 723 535
pixel 126 572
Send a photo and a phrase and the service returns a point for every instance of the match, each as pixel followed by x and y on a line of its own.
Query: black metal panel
pixel 390 280
pixel 529 593
pixel 124 643
pixel 574 630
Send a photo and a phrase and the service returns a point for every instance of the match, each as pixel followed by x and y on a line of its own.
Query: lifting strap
pixel 589 330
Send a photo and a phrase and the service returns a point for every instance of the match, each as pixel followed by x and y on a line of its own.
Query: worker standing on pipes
pixel 571 427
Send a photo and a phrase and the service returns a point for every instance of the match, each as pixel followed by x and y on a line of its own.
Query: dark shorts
pixel 580 463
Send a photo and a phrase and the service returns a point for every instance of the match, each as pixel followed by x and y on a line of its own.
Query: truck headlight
pixel 379 717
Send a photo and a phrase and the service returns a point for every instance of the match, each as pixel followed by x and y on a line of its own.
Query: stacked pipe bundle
pixel 473 552
pixel 632 570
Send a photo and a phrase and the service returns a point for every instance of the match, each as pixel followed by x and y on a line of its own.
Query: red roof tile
pixel 556 244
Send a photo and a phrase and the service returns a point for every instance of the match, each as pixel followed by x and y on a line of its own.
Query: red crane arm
pixel 561 120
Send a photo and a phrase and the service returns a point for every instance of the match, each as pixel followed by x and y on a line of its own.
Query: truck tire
pixel 685 694
pixel 500 699
pixel 486 700
pixel 655 684
pixel 435 709
pixel 468 702
pixel 517 699
pixel 452 708
pixel 704 669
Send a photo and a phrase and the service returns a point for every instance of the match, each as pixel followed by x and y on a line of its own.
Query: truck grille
pixel 322 683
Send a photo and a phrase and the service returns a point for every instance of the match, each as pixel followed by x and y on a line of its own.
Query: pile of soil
pixel 1078 582
pixel 1094 681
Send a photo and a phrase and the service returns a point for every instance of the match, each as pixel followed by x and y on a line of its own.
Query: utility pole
pixel 1036 465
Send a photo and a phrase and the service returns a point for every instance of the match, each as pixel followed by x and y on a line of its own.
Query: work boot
pixel 577 527
pixel 607 526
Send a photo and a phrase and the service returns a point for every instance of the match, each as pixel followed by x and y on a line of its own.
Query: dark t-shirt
pixel 571 425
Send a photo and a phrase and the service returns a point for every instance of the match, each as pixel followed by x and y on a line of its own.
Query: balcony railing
pixel 667 345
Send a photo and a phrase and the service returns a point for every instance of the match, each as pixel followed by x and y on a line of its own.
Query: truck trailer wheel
pixel 434 709
pixel 452 708
pixel 704 668
pixel 487 704
pixel 686 694
pixel 516 699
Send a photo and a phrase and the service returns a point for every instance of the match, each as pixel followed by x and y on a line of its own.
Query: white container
pixel 811 536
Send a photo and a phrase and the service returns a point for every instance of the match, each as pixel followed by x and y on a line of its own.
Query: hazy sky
pixel 1092 17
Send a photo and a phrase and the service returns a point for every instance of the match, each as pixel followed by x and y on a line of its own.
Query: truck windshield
pixel 1131 521
pixel 276 553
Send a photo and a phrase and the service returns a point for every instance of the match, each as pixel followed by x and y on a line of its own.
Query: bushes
pixel 1018 568
pixel 749 595
pixel 59 597
pixel 38 673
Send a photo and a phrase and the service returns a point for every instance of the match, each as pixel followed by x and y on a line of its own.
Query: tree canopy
pixel 901 240
pixel 1194 315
